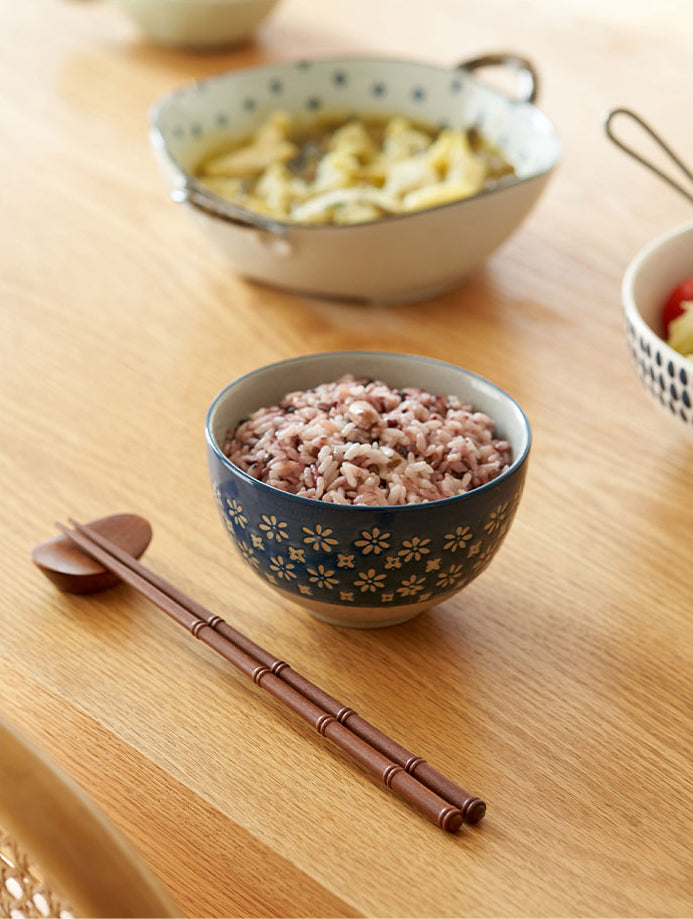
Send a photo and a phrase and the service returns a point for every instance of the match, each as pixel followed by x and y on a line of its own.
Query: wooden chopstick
pixel 472 807
pixel 432 805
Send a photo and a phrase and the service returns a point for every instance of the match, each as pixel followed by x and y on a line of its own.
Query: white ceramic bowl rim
pixel 643 254
pixel 225 210
pixel 631 274
pixel 518 459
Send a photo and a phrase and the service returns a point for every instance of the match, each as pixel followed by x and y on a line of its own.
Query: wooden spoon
pixel 73 571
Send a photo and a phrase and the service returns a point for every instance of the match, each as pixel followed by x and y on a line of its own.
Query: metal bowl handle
pixel 528 78
pixel 191 192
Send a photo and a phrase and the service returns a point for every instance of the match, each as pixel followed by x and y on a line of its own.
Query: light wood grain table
pixel 557 686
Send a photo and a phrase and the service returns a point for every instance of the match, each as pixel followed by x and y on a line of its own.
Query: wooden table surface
pixel 557 686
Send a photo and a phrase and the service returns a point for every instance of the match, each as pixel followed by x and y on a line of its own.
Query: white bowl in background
pixel 400 258
pixel 647 282
pixel 197 24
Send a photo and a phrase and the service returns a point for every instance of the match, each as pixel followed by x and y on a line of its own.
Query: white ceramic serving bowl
pixel 647 282
pixel 357 565
pixel 197 24
pixel 401 258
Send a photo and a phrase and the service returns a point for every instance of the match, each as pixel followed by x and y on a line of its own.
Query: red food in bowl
pixel 673 308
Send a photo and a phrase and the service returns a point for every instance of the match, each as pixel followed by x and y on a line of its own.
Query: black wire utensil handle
pixel 627 113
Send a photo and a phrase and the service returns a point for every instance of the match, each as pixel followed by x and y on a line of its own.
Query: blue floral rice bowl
pixel 353 564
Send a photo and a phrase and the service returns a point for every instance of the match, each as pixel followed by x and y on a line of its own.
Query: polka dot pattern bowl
pixel 653 273
pixel 401 258
pixel 354 565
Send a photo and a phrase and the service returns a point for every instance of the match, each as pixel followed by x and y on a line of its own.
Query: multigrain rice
pixel 361 442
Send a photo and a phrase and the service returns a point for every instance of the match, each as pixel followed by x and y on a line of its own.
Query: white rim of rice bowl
pixel 519 456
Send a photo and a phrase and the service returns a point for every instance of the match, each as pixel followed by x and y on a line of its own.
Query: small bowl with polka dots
pixel 652 274
pixel 403 254
pixel 360 565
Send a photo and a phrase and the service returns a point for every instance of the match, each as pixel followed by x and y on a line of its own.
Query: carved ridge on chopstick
pixel 472 808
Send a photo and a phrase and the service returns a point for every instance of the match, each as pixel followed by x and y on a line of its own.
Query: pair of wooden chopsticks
pixel 440 799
